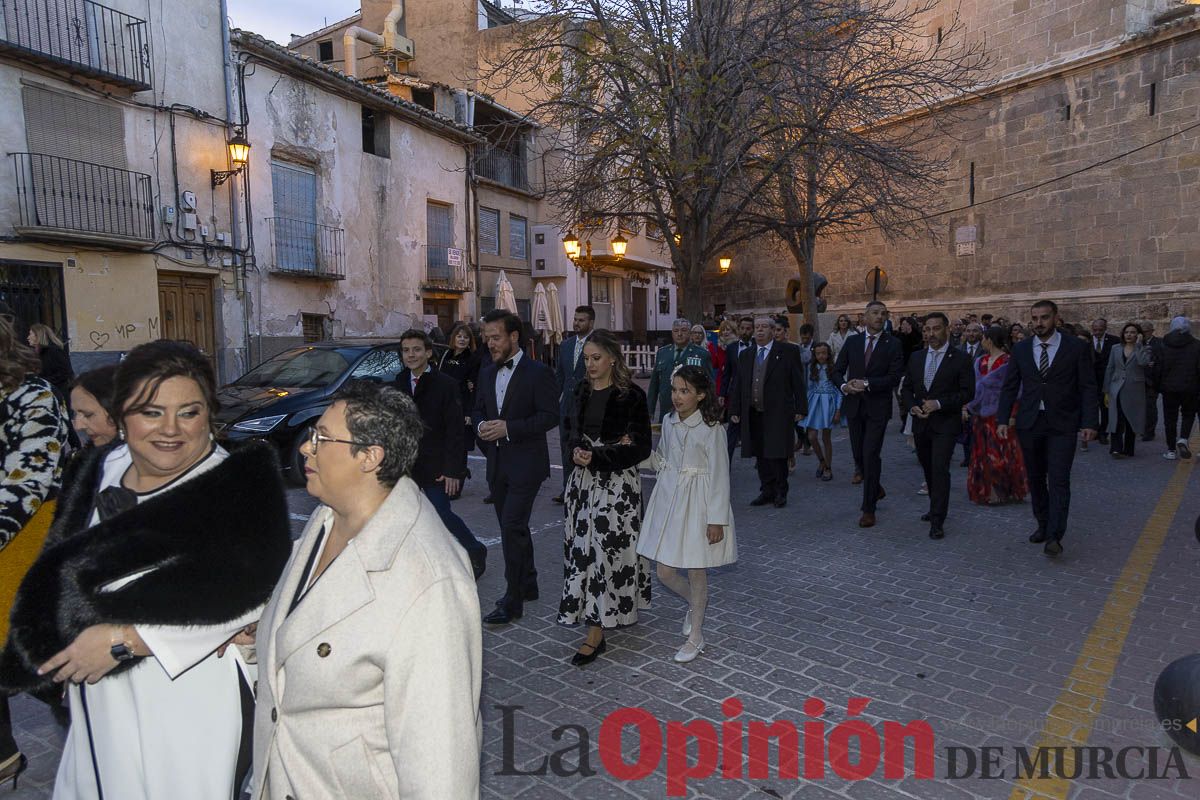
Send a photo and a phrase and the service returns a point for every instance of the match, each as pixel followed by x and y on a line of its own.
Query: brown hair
pixel 148 365
pixel 460 326
pixel 45 335
pixel 701 381
pixel 814 373
pixel 622 378
pixel 17 359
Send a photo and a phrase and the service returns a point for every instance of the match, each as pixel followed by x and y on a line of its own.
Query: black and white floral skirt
pixel 605 582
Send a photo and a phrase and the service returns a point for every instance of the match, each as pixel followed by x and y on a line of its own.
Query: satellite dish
pixel 794 293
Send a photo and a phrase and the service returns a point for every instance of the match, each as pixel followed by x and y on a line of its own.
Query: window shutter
pixel 517 237
pixel 489 231
pixel 69 126
pixel 294 188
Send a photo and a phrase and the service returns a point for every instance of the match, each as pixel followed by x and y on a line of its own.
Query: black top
pixel 464 368
pixel 303 587
pixel 56 368
pixel 593 415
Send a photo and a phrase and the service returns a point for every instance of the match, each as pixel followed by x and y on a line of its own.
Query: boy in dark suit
pixel 939 381
pixel 441 461
pixel 868 370
pixel 1053 375
pixel 516 405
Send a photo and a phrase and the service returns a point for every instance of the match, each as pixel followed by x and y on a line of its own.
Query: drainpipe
pixel 391 24
pixel 234 221
pixel 349 55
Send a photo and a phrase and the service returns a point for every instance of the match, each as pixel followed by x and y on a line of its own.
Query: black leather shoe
pixel 936 532
pixel 882 494
pixel 478 562
pixel 762 500
pixel 1052 549
pixel 502 615
pixel 780 502
pixel 925 517
pixel 558 498
pixel 582 659
pixel 530 593
pixel 1038 536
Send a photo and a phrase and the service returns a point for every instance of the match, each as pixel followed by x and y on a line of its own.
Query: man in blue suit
pixel 515 407
pixel 1053 376
pixel 568 374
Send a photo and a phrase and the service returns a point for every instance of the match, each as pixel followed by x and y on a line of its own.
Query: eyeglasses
pixel 315 439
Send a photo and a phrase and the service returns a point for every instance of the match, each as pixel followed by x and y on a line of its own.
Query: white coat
pixel 370 687
pixel 691 493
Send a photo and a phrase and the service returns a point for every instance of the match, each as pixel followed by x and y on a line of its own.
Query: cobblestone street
pixel 978 634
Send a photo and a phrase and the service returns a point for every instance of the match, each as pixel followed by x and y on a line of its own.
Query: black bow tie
pixel 507 364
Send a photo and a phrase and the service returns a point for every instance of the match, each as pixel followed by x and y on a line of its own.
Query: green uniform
pixel 665 362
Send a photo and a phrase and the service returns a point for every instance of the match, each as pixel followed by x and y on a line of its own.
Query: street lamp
pixel 877 281
pixel 571 245
pixel 725 262
pixel 618 246
pixel 582 257
pixel 239 156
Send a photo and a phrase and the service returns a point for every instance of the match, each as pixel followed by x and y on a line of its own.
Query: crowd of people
pixel 150 585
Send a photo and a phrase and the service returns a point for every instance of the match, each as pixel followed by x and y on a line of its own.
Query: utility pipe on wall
pixel 391 24
pixel 349 55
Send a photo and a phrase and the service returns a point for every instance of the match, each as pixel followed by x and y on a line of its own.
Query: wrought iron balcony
pixel 307 250
pixel 441 274
pixel 63 198
pixel 81 36
pixel 502 167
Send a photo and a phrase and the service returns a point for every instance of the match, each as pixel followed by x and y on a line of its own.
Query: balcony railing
pixel 502 167
pixel 65 198
pixel 441 274
pixel 307 250
pixel 80 35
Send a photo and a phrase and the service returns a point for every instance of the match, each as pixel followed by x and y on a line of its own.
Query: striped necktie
pixel 1044 360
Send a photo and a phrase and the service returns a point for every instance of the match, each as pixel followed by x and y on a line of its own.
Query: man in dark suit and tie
pixel 1102 345
pixel 516 405
pixel 770 399
pixel 868 370
pixel 972 345
pixel 441 461
pixel 568 373
pixel 1052 374
pixel 938 383
pixel 728 381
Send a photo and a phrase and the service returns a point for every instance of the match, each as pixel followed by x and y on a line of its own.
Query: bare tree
pixel 718 121
pixel 873 102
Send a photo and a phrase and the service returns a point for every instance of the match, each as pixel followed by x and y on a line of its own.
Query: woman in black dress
pixel 461 362
pixel 605 581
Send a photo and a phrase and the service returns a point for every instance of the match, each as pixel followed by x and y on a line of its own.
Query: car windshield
pixel 301 369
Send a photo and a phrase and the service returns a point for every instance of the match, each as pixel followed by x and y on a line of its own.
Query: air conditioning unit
pixel 404 49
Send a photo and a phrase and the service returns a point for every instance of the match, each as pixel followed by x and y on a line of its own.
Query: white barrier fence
pixel 639 358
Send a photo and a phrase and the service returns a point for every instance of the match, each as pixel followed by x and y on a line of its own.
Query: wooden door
pixel 186 307
pixel 444 310
pixel 638 324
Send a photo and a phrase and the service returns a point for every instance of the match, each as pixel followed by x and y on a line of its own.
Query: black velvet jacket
pixel 216 545
pixel 626 414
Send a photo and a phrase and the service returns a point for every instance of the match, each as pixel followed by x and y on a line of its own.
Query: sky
pixel 279 20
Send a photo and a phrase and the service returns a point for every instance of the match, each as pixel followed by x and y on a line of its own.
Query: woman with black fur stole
pixel 164 549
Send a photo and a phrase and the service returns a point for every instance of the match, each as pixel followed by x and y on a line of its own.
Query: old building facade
pixel 1075 175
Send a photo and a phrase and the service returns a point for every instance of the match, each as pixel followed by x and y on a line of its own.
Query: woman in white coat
pixel 1125 386
pixel 370 651
pixel 162 549
pixel 689 522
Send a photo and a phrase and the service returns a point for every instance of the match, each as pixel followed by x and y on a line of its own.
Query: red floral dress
pixel 997 472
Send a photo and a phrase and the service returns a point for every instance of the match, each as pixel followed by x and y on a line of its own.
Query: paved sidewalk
pixel 978 634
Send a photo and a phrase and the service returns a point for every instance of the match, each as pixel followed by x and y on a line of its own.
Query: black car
pixel 281 399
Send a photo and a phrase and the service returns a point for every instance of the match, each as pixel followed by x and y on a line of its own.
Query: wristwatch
pixel 121 651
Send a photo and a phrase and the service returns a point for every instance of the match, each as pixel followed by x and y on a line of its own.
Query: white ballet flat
pixel 689 651
pixel 687 622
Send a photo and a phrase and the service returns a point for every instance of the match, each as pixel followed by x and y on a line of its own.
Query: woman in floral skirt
pixel 997 472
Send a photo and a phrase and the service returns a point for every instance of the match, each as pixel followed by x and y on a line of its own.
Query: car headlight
pixel 259 424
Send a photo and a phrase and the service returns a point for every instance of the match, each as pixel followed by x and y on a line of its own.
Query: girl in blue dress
pixel 824 408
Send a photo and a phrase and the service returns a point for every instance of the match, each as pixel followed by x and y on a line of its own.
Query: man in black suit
pixel 972 345
pixel 729 380
pixel 1052 374
pixel 568 373
pixel 441 461
pixel 1102 345
pixel 868 370
pixel 516 405
pixel 770 398
pixel 938 383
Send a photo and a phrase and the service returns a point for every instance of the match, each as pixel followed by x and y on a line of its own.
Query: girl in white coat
pixel 689 523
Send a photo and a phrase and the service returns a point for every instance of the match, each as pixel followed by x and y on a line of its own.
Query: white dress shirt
pixel 933 360
pixel 503 376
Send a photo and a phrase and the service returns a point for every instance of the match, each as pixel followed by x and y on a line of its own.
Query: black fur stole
pixel 217 543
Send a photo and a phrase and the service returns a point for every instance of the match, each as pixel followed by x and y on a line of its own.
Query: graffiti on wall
pixel 122 332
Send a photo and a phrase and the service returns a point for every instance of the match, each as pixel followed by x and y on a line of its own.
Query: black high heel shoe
pixel 12 768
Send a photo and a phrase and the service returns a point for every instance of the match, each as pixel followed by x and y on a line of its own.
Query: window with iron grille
pixel 489 231
pixel 314 327
pixel 294 196
pixel 439 236
pixel 518 237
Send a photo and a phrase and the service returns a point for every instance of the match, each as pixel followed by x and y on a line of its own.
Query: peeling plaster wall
pixel 379 202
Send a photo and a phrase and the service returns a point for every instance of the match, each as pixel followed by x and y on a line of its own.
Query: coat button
pixel 274 715
pixel 323 649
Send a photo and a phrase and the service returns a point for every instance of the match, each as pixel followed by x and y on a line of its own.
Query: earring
pixel 212 437
pixel 121 433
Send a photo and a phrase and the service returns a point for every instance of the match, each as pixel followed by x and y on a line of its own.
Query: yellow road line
pixel 1070 720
